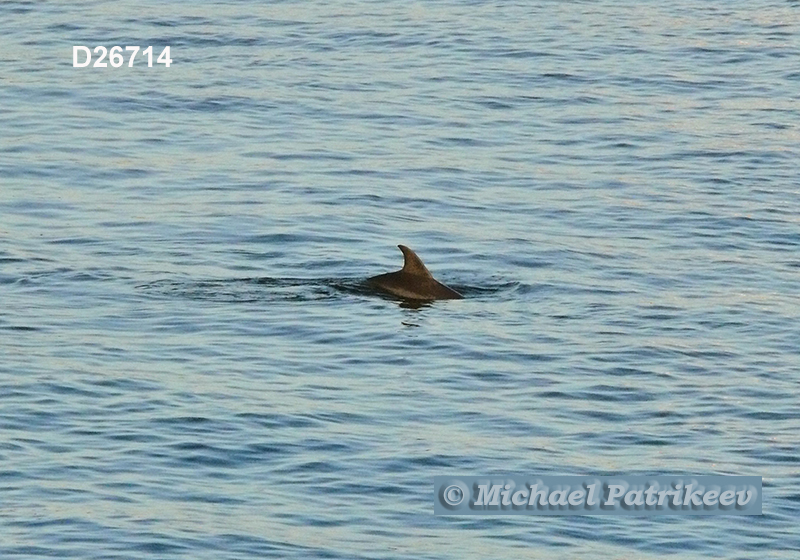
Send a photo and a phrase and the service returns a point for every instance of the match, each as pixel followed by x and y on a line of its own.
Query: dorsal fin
pixel 412 264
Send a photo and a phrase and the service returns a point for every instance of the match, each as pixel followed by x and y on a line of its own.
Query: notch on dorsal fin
pixel 412 264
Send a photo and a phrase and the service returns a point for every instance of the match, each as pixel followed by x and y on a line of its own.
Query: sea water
pixel 190 366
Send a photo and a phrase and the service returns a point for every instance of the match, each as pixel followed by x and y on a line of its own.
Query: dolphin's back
pixel 413 281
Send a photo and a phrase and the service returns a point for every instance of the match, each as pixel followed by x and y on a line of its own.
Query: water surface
pixel 190 368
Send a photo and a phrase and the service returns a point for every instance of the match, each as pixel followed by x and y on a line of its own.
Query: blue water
pixel 190 368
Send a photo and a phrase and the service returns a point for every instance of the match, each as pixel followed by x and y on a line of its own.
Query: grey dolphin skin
pixel 413 282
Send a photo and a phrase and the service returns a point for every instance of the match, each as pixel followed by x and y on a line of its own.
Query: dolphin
pixel 413 282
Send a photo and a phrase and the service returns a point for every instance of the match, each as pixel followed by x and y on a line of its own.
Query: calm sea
pixel 190 368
